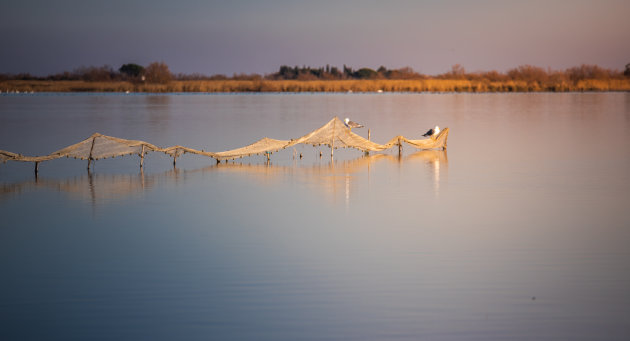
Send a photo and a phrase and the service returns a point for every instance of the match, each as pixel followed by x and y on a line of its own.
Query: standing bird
pixel 352 124
pixel 432 132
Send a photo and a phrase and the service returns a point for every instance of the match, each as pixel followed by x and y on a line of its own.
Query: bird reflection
pixel 338 178
pixel 433 159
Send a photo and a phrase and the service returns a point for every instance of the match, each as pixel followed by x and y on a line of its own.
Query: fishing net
pixel 100 146
pixel 176 151
pixel 334 134
pixel 264 145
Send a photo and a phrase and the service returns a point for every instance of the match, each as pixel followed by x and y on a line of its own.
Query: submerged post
pixel 36 168
pixel 91 150
pixel 367 152
pixel 399 146
pixel 332 143
pixel 142 157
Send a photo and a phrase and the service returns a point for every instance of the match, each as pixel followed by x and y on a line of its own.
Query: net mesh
pixel 334 134
pixel 100 146
pixel 264 145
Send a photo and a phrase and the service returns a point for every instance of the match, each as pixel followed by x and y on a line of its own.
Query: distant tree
pixel 334 72
pixel 132 70
pixel 528 73
pixel 286 72
pixel 64 76
pixel 95 74
pixel 406 73
pixel 365 73
pixel 347 71
pixel 309 73
pixel 493 76
pixel 458 71
pixel 306 76
pixel 585 71
pixel 197 77
pixel 158 73
pixel 246 77
pixel 627 71
pixel 218 77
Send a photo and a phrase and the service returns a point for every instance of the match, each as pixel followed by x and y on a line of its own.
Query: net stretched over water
pixel 100 146
pixel 328 178
pixel 334 134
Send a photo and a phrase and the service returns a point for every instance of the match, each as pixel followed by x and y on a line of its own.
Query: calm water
pixel 519 231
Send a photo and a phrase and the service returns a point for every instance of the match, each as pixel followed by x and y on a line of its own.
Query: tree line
pixel 156 72
pixel 528 73
pixel 159 73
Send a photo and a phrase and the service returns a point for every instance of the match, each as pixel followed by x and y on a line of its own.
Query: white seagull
pixel 432 132
pixel 352 124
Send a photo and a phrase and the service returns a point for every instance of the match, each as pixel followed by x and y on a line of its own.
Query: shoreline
pixel 316 86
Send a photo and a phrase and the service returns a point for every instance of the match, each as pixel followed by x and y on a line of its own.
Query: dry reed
pixel 385 85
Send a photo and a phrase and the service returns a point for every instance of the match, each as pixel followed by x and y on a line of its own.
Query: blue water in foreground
pixel 520 230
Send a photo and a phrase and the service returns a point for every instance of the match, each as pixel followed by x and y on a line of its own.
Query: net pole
pixel 367 152
pixel 332 143
pixel 91 150
pixel 142 157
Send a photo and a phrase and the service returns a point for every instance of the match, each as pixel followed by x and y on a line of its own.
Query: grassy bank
pixel 216 86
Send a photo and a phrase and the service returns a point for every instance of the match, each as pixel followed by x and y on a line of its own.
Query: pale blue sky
pixel 235 36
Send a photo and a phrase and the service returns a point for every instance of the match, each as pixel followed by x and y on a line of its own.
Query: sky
pixel 43 37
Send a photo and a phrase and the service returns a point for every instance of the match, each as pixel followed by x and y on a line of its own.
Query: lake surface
pixel 520 230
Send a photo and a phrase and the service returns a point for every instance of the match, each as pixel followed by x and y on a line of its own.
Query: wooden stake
pixel 367 152
pixel 332 143
pixel 91 150
pixel 36 168
pixel 142 157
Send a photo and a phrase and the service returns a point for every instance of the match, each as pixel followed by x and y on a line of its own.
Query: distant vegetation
pixel 156 77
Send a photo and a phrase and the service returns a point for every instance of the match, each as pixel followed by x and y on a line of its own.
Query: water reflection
pixel 335 179
pixel 91 187
pixel 339 178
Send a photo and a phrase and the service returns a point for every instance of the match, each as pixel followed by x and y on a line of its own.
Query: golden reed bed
pixel 216 86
